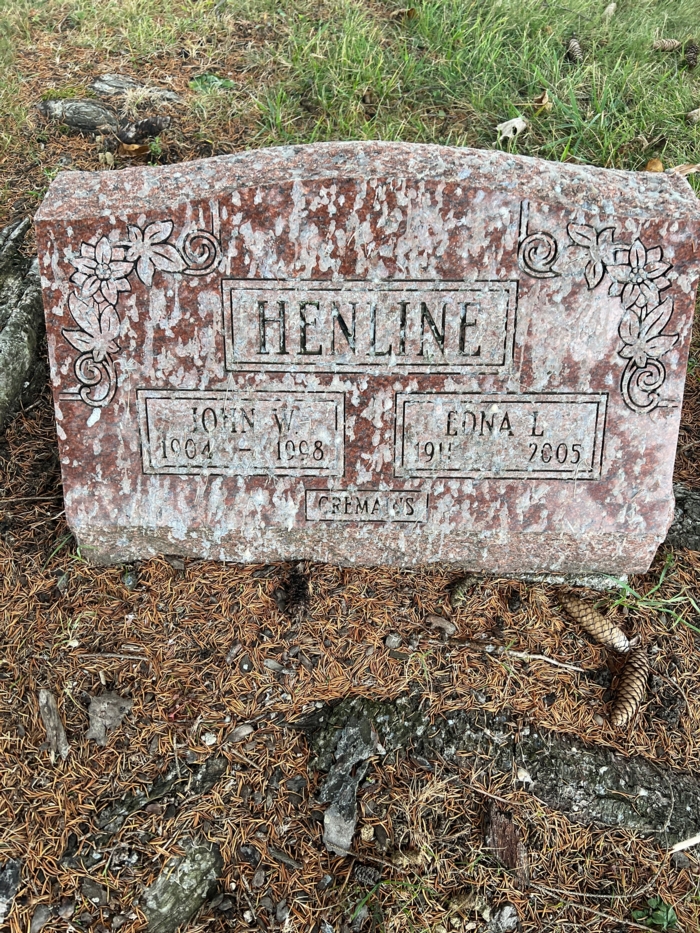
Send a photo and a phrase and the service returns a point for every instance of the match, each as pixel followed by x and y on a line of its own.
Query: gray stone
pixel 106 712
pixel 680 861
pixel 94 892
pixel 21 321
pixel 10 877
pixel 590 784
pixel 503 920
pixel 181 888
pixel 40 918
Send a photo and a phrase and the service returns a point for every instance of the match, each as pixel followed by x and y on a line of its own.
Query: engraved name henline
pixel 414 325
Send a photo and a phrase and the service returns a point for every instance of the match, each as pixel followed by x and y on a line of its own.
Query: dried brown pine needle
pixel 632 688
pixel 599 627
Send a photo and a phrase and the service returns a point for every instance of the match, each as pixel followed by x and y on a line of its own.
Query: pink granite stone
pixel 371 353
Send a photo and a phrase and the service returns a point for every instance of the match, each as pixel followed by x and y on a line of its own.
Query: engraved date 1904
pixel 232 434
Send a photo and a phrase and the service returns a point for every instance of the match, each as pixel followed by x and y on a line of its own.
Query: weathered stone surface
pixel 181 888
pixel 590 784
pixel 372 353
pixel 21 321
pixel 685 530
pixel 10 877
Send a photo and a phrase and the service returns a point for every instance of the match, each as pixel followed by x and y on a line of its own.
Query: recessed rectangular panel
pixel 366 505
pixel 477 435
pixel 416 326
pixel 241 433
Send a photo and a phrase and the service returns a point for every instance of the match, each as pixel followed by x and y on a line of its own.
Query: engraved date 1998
pixel 231 433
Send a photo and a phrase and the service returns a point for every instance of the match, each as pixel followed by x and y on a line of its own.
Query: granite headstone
pixel 372 353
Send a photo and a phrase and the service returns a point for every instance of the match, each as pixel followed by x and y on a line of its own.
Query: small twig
pixel 114 654
pixel 524 656
pixel 31 499
pixel 686 844
pixel 365 857
pixel 177 760
pixel 246 895
pixel 480 790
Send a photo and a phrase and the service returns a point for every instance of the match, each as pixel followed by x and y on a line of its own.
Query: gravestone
pixel 371 353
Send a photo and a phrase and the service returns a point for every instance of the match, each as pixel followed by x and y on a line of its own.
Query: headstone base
pixel 547 557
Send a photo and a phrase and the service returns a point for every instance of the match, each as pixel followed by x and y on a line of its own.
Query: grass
pixel 667 605
pixel 439 71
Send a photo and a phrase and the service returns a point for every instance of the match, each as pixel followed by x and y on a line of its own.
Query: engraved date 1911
pixel 510 436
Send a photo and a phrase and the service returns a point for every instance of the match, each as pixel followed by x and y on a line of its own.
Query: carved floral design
pixel 537 252
pixel 102 273
pixel 637 276
pixel 639 281
pixel 150 250
pixel 601 248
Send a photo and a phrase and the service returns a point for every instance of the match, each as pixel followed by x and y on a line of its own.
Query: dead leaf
pixel 55 733
pixel 654 165
pixel 609 12
pixel 134 150
pixel 686 169
pixel 693 116
pixel 542 102
pixel 408 12
pixel 511 128
pixel 106 712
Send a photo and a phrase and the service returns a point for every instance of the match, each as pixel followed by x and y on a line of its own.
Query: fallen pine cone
pixel 462 589
pixel 573 51
pixel 666 45
pixel 692 53
pixel 597 626
pixel 367 876
pixel 632 688
pixel 693 116
pixel 293 596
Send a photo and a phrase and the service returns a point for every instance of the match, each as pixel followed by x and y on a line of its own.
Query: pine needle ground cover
pixel 188 644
